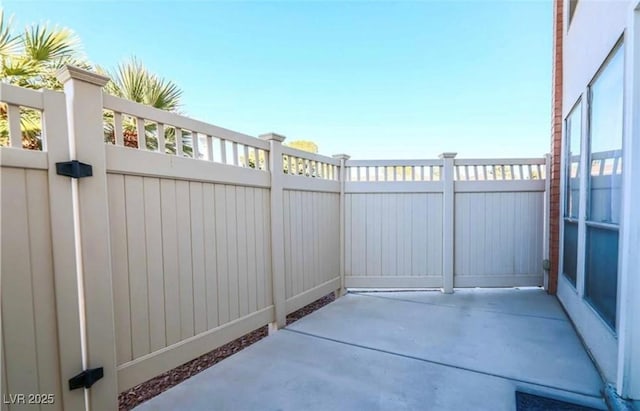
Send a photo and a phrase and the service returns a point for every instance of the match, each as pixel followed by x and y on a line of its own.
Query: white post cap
pixel 341 156
pixel 69 72
pixel 273 136
pixel 448 155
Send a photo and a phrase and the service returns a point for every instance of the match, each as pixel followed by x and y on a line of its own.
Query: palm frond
pixel 8 42
pixel 132 80
pixel 128 81
pixel 16 66
pixel 163 94
pixel 44 44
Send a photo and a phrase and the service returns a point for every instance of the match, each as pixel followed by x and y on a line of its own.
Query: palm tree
pixel 31 60
pixel 133 81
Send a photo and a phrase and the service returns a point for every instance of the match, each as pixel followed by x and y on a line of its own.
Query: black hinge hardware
pixel 74 169
pixel 86 378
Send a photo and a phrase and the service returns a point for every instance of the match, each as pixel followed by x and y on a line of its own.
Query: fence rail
pixel 152 129
pixel 188 235
pixel 499 169
pixel 394 170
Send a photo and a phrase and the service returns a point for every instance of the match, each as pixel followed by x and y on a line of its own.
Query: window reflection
pixel 605 183
pixel 606 143
pixel 572 186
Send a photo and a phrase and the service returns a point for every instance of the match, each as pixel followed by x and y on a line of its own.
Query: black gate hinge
pixel 86 378
pixel 74 169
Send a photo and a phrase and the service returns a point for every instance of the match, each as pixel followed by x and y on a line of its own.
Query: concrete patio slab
pixel 401 351
pixel 517 301
pixel 539 350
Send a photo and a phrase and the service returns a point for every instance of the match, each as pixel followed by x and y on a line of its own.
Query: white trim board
pixel 599 340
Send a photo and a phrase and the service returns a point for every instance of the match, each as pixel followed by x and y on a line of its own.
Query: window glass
pixel 605 175
pixel 601 265
pixel 572 9
pixel 570 251
pixel 572 160
pixel 605 180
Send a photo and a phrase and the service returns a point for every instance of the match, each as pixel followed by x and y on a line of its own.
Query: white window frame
pixel 628 377
pixel 584 190
pixel 563 187
pixel 584 169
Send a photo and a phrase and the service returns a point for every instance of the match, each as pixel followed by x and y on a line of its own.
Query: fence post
pixel 83 93
pixel 546 221
pixel 65 264
pixel 448 212
pixel 342 176
pixel 277 228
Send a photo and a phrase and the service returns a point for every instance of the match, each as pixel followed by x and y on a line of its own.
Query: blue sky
pixel 370 79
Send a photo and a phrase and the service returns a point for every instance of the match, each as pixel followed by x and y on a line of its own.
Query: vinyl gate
pixel 41 328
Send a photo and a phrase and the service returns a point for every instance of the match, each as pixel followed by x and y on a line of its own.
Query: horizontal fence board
pixel 498 186
pixel 21 96
pixel 168 118
pixel 291 151
pixel 392 163
pixel 533 280
pixel 393 187
pixel 392 281
pixel 497 161
pixel 309 296
pixel 149 366
pixel 124 160
pixel 20 158
pixel 302 183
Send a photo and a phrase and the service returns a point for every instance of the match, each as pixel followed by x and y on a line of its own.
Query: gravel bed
pixel 149 389
pixel 308 309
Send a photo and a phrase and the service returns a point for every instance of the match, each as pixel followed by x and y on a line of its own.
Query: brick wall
pixel 556 144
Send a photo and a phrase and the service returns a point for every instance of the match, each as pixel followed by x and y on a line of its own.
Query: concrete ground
pixel 404 351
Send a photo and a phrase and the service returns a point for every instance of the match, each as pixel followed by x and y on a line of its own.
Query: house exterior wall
pixel 581 47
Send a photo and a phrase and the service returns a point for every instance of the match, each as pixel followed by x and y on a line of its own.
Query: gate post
pixel 277 228
pixel 448 212
pixel 342 177
pixel 83 91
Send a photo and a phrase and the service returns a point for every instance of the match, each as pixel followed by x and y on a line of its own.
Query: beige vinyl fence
pixel 202 234
pixel 445 223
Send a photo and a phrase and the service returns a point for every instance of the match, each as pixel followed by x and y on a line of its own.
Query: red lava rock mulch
pixel 308 309
pixel 149 389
